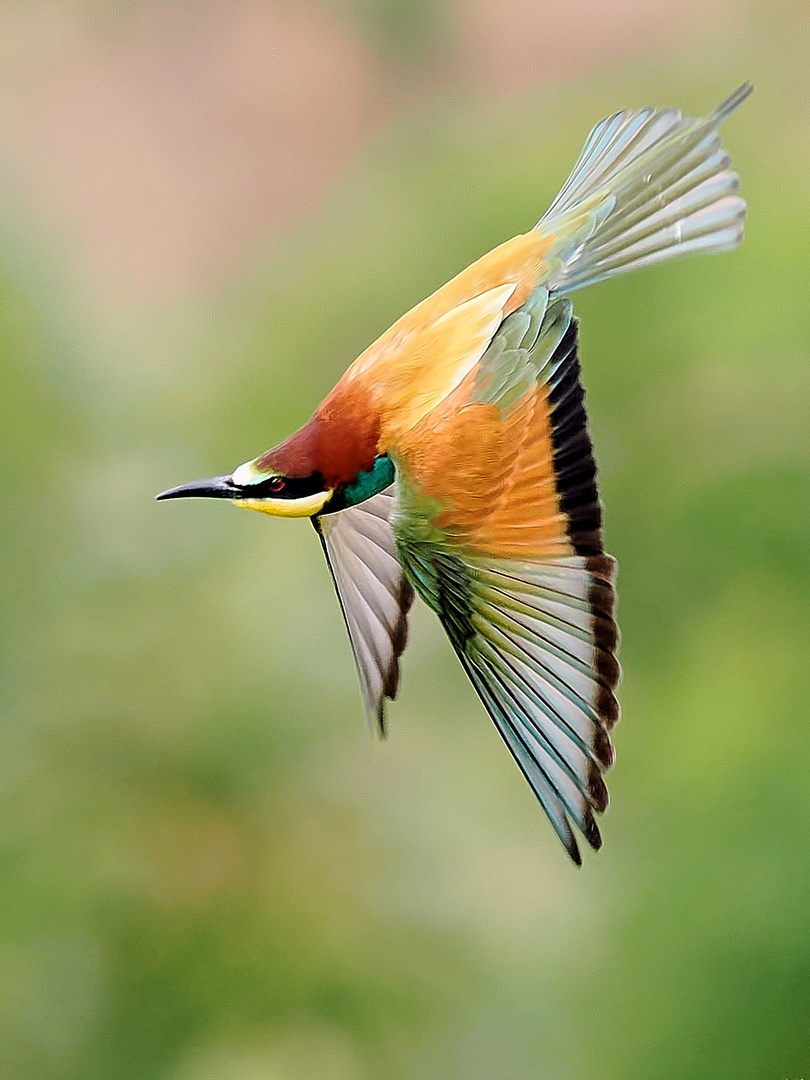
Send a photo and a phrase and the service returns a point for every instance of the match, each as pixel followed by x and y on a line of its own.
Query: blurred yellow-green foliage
pixel 206 870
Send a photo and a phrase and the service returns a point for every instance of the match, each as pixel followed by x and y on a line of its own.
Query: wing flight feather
pixel 374 594
pixel 500 532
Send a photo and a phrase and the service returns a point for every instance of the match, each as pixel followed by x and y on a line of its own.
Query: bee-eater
pixel 453 459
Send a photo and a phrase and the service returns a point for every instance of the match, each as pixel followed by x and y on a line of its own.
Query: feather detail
pixel 374 595
pixel 505 463
pixel 452 347
pixel 648 185
pixel 537 641
pixel 422 358
pixel 499 530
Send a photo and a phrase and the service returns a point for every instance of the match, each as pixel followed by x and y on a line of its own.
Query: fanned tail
pixel 648 185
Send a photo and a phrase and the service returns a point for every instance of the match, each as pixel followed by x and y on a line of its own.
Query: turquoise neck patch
pixel 380 476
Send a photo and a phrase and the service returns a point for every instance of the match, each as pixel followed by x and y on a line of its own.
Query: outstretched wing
pixel 499 528
pixel 374 594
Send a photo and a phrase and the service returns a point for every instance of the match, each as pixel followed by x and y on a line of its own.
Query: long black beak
pixel 217 487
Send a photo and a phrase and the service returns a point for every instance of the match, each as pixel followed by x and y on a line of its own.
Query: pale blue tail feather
pixel 648 185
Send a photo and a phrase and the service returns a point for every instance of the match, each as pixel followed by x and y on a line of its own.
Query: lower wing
pixel 499 530
pixel 374 594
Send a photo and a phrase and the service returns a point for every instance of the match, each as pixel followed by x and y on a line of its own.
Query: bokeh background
pixel 207 869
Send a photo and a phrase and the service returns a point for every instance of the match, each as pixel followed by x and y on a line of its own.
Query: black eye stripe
pixel 286 487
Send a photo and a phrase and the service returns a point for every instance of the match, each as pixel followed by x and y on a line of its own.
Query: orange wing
pixel 489 465
pixel 492 475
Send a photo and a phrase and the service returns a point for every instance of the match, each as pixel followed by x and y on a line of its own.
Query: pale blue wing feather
pixel 648 185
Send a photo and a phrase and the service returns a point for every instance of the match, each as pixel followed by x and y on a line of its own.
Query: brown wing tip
pixel 381 720
pixel 603 748
pixel 603 567
pixel 597 791
pixel 572 847
pixel 602 601
pixel 592 834
pixel 399 639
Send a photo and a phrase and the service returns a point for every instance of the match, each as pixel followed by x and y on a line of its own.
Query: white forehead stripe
pixel 248 474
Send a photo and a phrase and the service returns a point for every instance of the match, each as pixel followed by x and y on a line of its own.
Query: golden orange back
pixel 424 356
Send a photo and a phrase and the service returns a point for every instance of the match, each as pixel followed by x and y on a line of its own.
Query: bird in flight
pixel 453 460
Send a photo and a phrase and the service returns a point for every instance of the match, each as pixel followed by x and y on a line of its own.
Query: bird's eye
pixel 285 487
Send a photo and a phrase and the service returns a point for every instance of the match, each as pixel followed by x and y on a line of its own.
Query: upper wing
pixel 373 592
pixel 499 528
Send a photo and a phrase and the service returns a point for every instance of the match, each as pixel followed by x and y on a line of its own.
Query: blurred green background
pixel 207 871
